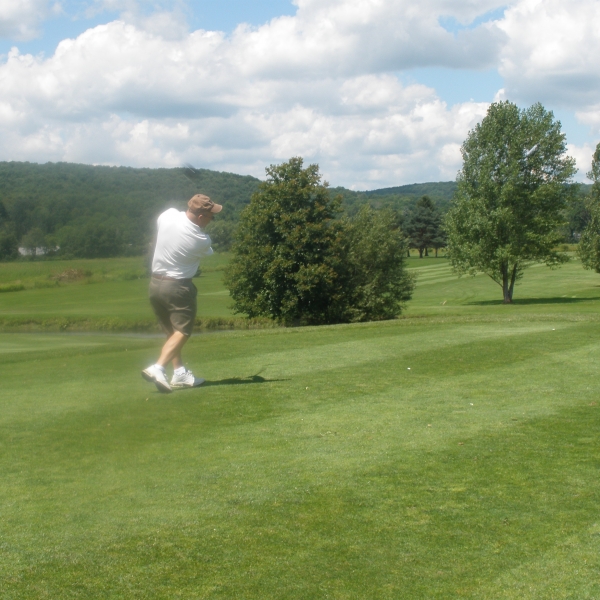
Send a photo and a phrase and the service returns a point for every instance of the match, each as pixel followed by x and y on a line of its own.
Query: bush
pixel 293 261
pixel 377 284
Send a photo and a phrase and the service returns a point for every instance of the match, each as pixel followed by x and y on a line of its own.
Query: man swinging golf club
pixel 180 244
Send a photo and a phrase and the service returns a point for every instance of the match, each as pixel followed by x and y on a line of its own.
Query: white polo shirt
pixel 179 246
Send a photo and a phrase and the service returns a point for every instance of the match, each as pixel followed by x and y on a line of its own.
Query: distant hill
pixel 54 195
pixel 71 203
pixel 400 198
pixel 441 189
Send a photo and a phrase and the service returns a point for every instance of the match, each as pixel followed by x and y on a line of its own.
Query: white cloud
pixel 552 52
pixel 125 93
pixel 590 116
pixel 145 91
pixel 350 37
pixel 19 19
pixel 583 157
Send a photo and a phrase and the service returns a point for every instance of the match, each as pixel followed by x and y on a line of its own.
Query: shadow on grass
pixel 527 301
pixel 240 381
pixel 229 381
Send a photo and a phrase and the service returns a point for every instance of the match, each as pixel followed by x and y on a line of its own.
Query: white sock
pixel 160 367
pixel 179 371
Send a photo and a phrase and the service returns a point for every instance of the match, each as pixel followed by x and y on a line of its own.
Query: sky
pixel 379 93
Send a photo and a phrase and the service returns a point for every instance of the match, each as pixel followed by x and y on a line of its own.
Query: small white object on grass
pixel 408 368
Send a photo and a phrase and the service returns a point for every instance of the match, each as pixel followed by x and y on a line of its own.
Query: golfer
pixel 180 244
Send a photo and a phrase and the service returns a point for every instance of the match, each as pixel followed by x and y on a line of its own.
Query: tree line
pixel 92 211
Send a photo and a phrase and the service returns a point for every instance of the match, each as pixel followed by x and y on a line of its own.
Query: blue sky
pixel 378 93
pixel 75 17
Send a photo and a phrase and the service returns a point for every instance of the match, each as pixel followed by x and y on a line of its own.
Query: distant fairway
pixel 112 295
pixel 449 454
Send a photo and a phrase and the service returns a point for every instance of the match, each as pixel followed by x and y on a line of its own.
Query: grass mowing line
pixel 398 344
pixel 43 344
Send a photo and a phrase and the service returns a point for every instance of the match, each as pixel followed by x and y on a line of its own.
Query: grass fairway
pixel 450 454
pixel 109 294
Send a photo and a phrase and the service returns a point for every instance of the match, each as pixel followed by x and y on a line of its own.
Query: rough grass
pixel 449 454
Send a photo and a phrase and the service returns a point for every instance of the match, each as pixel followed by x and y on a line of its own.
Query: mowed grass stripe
pixel 372 346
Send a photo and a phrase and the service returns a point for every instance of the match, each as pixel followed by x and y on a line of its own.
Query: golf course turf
pixel 452 453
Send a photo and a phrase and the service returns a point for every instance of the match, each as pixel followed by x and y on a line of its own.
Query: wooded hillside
pixel 103 211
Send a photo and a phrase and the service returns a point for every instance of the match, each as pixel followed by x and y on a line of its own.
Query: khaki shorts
pixel 174 304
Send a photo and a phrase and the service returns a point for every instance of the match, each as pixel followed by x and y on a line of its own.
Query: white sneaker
pixel 158 378
pixel 186 380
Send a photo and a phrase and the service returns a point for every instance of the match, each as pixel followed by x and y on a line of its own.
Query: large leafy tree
pixel 589 244
pixel 511 195
pixel 295 261
pixel 285 262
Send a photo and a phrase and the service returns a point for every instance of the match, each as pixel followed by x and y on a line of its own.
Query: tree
pixel 294 261
pixel 589 244
pixel 423 225
pixel 284 263
pixel 96 239
pixel 441 239
pixel 577 217
pixel 221 234
pixel 376 284
pixel 511 195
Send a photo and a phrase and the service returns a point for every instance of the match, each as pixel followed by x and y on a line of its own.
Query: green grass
pixel 449 454
pixel 113 294
pixel 104 295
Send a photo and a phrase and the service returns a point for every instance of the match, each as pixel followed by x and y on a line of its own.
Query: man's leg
pixel 171 351
pixel 175 308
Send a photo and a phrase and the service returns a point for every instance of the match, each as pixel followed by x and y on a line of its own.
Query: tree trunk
pixel 436 251
pixel 505 285
pixel 420 252
pixel 426 251
pixel 513 278
pixel 508 282
pixel 408 253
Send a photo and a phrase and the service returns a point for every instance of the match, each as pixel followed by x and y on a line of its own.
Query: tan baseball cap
pixel 200 203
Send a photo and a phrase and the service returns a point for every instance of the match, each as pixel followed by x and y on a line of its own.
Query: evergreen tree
pixel 423 225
